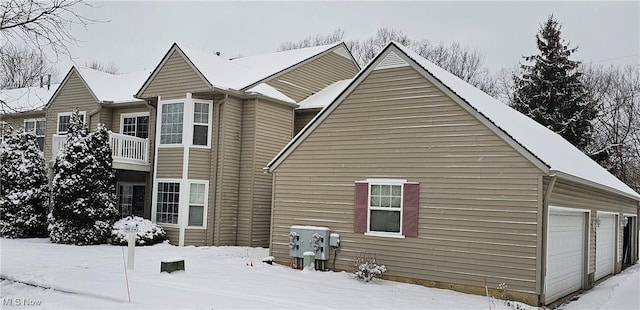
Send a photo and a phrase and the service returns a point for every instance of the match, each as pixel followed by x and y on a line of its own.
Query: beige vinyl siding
pixel 314 76
pixel 478 196
pixel 16 120
pixel 226 216
pixel 73 94
pixel 571 195
pixel 247 173
pixel 117 116
pixel 199 163
pixel 173 234
pixel 302 118
pixel 267 128
pixel 106 118
pixel 170 161
pixel 174 79
pixel 274 129
pixel 196 237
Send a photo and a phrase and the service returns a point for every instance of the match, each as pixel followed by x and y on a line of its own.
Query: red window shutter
pixel 410 207
pixel 361 207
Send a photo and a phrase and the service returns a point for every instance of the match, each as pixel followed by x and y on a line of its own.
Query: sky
pixel 136 35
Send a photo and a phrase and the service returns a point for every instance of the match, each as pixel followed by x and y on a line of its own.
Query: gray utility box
pixel 309 238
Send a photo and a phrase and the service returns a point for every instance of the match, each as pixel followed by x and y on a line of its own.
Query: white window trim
pixel 84 120
pixel 129 115
pixel 209 123
pixel 206 204
pixel 185 103
pixel 370 182
pixel 154 201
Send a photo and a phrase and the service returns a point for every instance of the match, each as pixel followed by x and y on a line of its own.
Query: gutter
pixel 582 181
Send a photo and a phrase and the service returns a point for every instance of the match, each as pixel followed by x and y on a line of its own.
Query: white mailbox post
pixel 131 229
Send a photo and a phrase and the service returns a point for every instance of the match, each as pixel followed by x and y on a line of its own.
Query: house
pixel 24 108
pixel 218 122
pixel 447 187
pixel 107 98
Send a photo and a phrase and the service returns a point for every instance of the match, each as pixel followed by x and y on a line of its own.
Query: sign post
pixel 132 230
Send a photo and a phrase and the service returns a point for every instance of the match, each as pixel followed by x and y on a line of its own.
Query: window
pixel 36 127
pixel 386 207
pixel 63 121
pixel 168 202
pixel 171 123
pixel 137 126
pixel 200 123
pixel 196 204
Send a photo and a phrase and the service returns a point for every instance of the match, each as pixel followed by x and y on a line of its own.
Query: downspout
pixel 151 155
pixel 545 220
pixel 214 164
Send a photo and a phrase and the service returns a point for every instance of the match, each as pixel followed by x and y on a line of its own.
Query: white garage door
pixel 605 245
pixel 565 252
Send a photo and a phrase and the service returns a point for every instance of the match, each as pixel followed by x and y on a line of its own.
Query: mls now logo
pixel 20 302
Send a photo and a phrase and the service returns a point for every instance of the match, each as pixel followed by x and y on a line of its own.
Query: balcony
pixel 128 152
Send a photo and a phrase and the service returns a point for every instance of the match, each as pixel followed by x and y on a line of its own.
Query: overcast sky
pixel 135 35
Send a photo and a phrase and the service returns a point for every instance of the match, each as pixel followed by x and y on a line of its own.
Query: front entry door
pixel 131 199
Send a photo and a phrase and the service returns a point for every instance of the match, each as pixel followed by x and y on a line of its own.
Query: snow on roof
pixel 26 99
pixel 269 91
pixel 549 147
pixel 117 88
pixel 324 97
pixel 266 65
pixel 245 71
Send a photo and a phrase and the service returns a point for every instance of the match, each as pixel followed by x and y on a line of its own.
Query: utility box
pixel 309 238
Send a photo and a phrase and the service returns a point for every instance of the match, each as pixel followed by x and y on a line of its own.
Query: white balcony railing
pixel 124 148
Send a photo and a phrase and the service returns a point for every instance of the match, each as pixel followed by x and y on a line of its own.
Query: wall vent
pixel 392 60
pixel 342 52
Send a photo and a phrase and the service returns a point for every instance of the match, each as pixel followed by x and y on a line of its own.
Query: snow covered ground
pixel 93 277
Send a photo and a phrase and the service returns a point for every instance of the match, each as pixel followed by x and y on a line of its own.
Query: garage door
pixel 605 245
pixel 565 252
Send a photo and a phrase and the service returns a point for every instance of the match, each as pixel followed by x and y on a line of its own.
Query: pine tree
pixel 550 91
pixel 83 188
pixel 24 190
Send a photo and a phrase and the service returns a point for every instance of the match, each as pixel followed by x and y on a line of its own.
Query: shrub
pixel 148 232
pixel 367 268
pixel 24 190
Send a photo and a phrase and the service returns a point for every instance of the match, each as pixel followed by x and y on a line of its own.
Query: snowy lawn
pixel 92 277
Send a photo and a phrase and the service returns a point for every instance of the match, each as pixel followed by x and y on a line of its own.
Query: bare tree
pixel 23 67
pixel 41 25
pixel 315 40
pixel 464 62
pixel 616 142
pixel 108 67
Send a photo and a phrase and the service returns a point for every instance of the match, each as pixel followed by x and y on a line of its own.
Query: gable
pixel 173 79
pixel 315 75
pixel 397 121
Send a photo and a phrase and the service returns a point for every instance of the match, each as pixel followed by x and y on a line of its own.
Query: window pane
pixel 142 127
pixel 63 123
pixel 375 189
pixel 40 141
pixel 396 190
pixel 385 190
pixel 29 126
pixel 200 134
pixel 196 215
pixel 171 127
pixel 385 221
pixel 395 202
pixel 168 202
pixel 375 201
pixel 40 127
pixel 196 194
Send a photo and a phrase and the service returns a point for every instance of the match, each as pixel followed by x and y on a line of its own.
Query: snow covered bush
pixel 24 191
pixel 148 232
pixel 367 268
pixel 83 197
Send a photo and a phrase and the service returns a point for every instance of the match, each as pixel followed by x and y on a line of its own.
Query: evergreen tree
pixel 83 188
pixel 24 190
pixel 550 91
